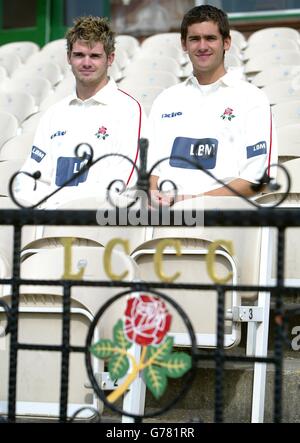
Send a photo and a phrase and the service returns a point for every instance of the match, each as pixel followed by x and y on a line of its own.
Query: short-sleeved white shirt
pixel 225 128
pixel 111 122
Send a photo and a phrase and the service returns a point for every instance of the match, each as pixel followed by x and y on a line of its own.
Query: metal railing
pixel 279 218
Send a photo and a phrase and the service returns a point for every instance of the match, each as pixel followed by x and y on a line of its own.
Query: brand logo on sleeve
pixel 37 154
pixel 171 115
pixel 202 151
pixel 58 134
pixel 259 148
pixel 66 168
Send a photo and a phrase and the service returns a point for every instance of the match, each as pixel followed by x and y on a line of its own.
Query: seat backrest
pixel 18 147
pixel 232 60
pixel 54 45
pixel 275 73
pixel 272 34
pixel 6 241
pixel 11 62
pixel 265 46
pixel 22 48
pixel 8 126
pixel 283 90
pixel 59 56
pixel 49 70
pixel 159 63
pixel 7 169
pixel 289 140
pixel 158 78
pixel 3 75
pixel 235 50
pixel 163 50
pixel 121 58
pixel 48 264
pixel 275 57
pixel 31 123
pixel 115 72
pixel 49 236
pixel 238 38
pixel 163 38
pixel 66 86
pixel 129 43
pixel 20 104
pixel 38 87
pixel 286 113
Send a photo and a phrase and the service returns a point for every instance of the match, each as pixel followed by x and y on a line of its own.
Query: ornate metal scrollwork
pixel 132 195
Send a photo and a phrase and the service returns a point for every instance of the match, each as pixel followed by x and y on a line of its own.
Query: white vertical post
pixel 134 399
pixel 262 331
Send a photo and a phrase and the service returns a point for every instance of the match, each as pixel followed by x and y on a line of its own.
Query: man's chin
pixel 87 80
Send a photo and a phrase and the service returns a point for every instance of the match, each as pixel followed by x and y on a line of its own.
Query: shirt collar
pixel 227 79
pixel 104 96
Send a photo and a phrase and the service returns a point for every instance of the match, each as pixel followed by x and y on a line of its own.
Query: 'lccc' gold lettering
pixel 210 260
pixel 67 275
pixel 107 258
pixel 158 259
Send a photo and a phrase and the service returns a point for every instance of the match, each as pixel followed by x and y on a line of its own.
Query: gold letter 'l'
pixel 67 244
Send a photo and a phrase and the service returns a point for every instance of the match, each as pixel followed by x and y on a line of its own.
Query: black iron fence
pixel 157 362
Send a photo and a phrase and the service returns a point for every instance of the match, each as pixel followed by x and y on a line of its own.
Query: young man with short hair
pixel 212 126
pixel 97 113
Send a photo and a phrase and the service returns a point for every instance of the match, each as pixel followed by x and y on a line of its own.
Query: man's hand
pixel 158 198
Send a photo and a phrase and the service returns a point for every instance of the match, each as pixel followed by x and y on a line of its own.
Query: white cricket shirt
pixel 224 129
pixel 111 122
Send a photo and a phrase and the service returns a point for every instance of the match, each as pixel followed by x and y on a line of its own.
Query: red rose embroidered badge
pixel 227 114
pixel 102 133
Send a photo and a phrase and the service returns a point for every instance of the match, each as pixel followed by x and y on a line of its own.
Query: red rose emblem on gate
pixel 147 320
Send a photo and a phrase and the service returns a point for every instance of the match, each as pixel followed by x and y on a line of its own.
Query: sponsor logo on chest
pixel 171 115
pixel 204 150
pixel 58 134
pixel 193 153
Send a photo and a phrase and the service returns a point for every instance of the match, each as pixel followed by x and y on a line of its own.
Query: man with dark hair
pixel 212 126
pixel 97 113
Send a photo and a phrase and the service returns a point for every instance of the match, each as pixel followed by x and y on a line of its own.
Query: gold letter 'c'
pixel 107 257
pixel 67 275
pixel 210 259
pixel 158 259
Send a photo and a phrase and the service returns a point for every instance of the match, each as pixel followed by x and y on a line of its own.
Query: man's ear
pixel 110 58
pixel 227 43
pixel 183 45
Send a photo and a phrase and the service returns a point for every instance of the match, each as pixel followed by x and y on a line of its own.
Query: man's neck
pixel 207 78
pixel 84 91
